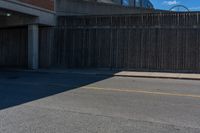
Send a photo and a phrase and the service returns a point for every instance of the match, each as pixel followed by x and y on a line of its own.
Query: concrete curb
pixel 159 75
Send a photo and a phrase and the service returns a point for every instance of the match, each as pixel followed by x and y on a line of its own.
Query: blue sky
pixel 193 5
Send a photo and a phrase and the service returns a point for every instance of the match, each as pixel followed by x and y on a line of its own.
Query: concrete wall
pixel 118 2
pixel 41 15
pixel 80 7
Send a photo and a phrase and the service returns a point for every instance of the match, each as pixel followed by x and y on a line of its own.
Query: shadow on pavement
pixel 21 87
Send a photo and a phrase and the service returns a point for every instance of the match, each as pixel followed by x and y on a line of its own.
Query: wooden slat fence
pixel 149 42
pixel 13 47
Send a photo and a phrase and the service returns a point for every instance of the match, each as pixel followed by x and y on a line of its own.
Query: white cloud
pixel 195 8
pixel 171 2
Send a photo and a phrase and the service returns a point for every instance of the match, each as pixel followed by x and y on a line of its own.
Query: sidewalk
pixel 128 74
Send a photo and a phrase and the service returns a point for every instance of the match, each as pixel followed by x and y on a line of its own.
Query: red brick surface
pixel 47 4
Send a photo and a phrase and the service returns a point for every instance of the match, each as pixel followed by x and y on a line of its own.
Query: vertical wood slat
pixel 150 42
pixel 13 47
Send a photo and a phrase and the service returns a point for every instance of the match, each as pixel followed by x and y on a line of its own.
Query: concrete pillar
pixel 33 47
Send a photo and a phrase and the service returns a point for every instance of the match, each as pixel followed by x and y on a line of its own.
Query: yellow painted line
pixel 144 92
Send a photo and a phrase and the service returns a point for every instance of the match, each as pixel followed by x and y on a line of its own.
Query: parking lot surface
pixel 32 102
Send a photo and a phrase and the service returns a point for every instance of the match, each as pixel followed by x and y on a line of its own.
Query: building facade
pixel 34 14
pixel 130 3
pixel 29 11
pixel 47 4
pixel 102 7
pixel 44 12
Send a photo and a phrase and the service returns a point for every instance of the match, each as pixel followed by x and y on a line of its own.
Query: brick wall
pixel 47 4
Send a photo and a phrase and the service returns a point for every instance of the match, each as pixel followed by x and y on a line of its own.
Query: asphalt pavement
pixel 34 102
